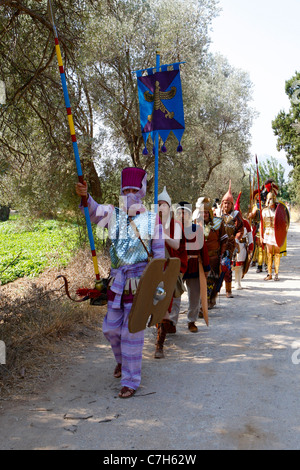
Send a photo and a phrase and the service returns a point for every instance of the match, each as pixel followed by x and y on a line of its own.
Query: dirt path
pixel 233 385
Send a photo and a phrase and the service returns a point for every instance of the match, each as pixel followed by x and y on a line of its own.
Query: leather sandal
pixel 126 392
pixel 118 371
pixel 192 327
pixel 229 295
pixel 159 352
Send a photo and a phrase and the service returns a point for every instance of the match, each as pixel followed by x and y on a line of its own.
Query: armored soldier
pixel 197 253
pixel 254 217
pixel 269 236
pixel 260 252
pixel 215 238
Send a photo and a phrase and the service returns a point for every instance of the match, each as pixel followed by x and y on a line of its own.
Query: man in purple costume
pixel 129 257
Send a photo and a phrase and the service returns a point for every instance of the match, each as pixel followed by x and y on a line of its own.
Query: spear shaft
pixel 250 199
pixel 74 141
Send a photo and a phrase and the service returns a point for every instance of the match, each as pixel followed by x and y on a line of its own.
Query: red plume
pixel 237 203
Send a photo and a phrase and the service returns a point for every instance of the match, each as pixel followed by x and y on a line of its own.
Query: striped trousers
pixel 127 347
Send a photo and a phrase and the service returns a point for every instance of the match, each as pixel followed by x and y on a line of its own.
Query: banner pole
pixel 156 144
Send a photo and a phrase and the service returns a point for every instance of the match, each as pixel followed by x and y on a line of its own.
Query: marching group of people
pixel 215 239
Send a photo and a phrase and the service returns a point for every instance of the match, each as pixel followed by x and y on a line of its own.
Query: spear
pixel 260 211
pixel 76 154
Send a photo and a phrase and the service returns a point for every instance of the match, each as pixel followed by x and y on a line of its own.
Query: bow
pixel 88 293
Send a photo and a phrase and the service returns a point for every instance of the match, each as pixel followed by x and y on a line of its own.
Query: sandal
pixel 118 371
pixel 126 392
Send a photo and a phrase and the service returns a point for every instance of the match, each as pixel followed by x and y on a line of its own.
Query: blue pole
pixel 156 146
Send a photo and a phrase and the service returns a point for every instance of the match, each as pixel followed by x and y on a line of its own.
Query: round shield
pixel 247 264
pixel 281 223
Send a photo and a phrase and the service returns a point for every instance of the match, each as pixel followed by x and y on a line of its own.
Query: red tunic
pixel 193 264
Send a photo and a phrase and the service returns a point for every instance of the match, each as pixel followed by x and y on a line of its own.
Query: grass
pixel 27 249
pixel 41 329
pixel 39 325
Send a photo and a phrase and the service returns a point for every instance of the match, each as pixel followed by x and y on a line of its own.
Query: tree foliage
pixel 34 134
pixel 215 95
pixel 218 128
pixel 272 169
pixel 286 127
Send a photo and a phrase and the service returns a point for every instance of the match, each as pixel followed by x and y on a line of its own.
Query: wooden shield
pixel 247 264
pixel 159 272
pixel 281 223
pixel 203 292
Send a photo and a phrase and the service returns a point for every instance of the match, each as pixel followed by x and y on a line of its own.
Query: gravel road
pixel 233 385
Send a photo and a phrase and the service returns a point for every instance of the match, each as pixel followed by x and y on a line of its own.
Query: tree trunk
pixel 92 178
pixel 4 213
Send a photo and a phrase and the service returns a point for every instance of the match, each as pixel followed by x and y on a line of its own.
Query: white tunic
pixel 268 220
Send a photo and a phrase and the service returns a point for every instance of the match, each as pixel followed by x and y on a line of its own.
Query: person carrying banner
pixel 174 247
pixel 269 186
pixel 234 228
pixel 128 261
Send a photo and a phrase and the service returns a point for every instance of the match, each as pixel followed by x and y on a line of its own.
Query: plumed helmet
pixel 271 186
pixel 203 204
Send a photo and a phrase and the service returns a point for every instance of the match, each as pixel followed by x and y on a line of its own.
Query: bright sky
pixel 261 37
